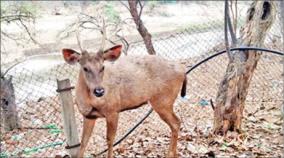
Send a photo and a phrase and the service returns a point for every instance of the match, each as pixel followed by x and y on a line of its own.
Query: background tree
pixel 282 30
pixel 9 113
pixel 147 38
pixel 233 88
pixel 89 22
pixel 21 14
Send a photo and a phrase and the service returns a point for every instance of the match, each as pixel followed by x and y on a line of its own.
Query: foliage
pixel 152 5
pixel 168 1
pixel 13 10
pixel 22 14
pixel 111 13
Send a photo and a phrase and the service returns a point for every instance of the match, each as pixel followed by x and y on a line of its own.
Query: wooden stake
pixel 70 128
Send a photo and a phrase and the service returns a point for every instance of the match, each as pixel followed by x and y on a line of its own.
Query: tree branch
pixel 228 24
pixel 140 26
pixel 232 33
pixel 141 9
pixel 124 5
pixel 89 22
pixel 28 31
pixel 226 30
pixel 15 15
pixel 282 22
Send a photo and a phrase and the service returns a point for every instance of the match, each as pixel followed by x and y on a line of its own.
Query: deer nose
pixel 99 91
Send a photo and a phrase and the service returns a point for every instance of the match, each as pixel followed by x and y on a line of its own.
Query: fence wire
pixel 39 108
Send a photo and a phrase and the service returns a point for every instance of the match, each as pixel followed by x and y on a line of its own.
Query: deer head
pixel 92 65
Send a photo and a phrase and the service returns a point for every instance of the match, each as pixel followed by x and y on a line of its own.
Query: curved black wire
pixel 191 69
pixel 129 132
pixel 235 49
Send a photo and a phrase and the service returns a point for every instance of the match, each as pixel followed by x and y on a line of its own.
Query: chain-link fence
pixel 39 110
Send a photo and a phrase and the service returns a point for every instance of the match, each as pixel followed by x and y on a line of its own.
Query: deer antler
pixel 78 36
pixel 104 37
pixel 124 42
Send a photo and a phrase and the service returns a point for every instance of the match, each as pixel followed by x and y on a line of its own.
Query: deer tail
pixel 183 89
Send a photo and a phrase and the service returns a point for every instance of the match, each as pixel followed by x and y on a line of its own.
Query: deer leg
pixel 88 126
pixel 167 114
pixel 172 120
pixel 112 121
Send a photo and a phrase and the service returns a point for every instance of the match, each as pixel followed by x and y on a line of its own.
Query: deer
pixel 109 84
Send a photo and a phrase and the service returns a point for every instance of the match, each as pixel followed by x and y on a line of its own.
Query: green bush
pixel 29 7
pixel 111 13
pixel 152 5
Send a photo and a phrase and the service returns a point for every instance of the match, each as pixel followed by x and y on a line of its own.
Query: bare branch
pixel 124 5
pixel 236 16
pixel 11 18
pixel 104 36
pixel 28 31
pixel 89 22
pixel 78 39
pixel 20 18
pixel 226 31
pixel 12 37
pixel 282 24
pixel 31 36
pixel 228 24
pixel 140 27
pixel 232 33
pixel 124 41
pixel 90 18
pixel 141 8
pixel 234 13
pixel 232 26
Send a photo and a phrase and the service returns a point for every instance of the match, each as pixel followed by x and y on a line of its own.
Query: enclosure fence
pixel 40 113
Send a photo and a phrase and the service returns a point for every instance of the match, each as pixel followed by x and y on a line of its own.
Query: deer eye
pixel 85 69
pixel 102 69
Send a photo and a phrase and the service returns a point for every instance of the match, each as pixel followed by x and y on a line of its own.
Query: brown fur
pixel 129 82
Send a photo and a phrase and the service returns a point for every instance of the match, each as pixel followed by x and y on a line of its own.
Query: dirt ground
pixel 262 134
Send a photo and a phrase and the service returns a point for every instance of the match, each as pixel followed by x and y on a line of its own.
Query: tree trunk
pixel 282 31
pixel 233 89
pixel 140 26
pixel 9 113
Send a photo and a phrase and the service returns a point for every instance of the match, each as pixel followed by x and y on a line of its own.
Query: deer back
pixel 130 81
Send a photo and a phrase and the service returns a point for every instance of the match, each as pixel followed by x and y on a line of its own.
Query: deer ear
pixel 113 53
pixel 71 56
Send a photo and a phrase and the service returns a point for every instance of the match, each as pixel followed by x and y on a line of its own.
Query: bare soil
pixel 262 133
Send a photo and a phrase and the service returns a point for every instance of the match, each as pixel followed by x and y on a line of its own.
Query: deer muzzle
pixel 99 91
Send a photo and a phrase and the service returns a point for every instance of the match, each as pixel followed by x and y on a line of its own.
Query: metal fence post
pixel 70 128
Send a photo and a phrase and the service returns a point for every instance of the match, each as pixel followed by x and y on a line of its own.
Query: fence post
pixel 70 128
pixel 8 105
